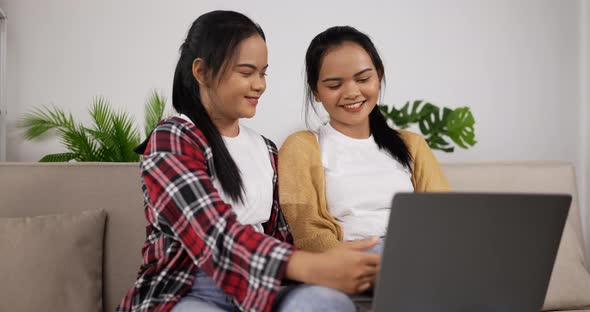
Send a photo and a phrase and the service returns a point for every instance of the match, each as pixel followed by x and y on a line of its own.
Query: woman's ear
pixel 199 71
pixel 315 96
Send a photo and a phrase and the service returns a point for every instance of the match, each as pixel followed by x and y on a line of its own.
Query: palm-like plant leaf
pixel 78 141
pixel 111 137
pixel 154 111
pixel 40 120
pixel 126 136
pixel 114 131
pixel 102 117
pixel 61 157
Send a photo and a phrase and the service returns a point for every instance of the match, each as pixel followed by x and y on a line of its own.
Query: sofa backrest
pixel 569 285
pixel 35 189
pixel 43 188
pixel 519 177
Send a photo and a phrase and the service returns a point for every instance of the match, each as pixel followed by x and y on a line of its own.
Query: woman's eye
pixel 245 74
pixel 334 87
pixel 364 79
pixel 263 75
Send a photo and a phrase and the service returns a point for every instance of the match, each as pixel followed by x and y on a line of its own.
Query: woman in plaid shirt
pixel 216 237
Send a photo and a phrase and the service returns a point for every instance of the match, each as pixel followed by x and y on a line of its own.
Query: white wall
pixel 515 63
pixel 584 172
pixel 2 85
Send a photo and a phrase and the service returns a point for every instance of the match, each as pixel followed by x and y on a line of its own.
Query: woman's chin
pixel 248 113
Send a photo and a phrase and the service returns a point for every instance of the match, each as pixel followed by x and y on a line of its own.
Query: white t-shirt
pixel 361 180
pixel 251 155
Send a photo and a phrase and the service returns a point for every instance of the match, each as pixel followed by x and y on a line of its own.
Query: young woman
pixel 337 183
pixel 216 237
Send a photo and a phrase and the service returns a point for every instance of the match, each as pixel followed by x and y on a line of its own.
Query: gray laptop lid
pixel 469 251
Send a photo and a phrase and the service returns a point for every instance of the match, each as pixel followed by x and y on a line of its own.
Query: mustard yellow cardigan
pixel 302 187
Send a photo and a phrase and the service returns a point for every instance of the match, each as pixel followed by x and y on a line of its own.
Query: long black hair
pixel 385 137
pixel 214 37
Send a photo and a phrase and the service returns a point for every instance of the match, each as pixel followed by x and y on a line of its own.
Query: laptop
pixel 468 252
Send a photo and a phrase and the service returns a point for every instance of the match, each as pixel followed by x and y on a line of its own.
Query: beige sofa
pixel 41 189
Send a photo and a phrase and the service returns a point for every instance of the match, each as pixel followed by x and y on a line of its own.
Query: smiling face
pixel 235 94
pixel 348 87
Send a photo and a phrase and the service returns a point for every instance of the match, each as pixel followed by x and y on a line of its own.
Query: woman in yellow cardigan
pixel 337 183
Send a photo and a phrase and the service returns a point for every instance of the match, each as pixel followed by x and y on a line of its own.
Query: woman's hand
pixel 346 267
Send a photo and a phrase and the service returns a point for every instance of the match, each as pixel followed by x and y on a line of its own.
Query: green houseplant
pixel 110 138
pixel 113 135
pixel 437 125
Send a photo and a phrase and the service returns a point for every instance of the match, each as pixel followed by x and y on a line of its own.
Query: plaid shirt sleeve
pixel 276 226
pixel 247 265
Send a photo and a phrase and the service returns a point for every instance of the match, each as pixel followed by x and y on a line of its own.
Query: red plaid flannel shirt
pixel 190 227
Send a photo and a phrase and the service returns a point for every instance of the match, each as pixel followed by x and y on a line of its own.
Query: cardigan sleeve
pixel 302 194
pixel 427 175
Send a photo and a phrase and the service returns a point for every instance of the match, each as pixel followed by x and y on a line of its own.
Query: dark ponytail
pixel 214 37
pixel 385 137
pixel 389 139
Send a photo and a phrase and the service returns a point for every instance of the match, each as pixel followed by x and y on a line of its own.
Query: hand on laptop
pixel 346 267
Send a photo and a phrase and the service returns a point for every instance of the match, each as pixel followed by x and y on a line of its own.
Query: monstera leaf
pixel 460 127
pixel 436 126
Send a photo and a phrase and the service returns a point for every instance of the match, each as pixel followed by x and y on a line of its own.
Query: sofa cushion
pixel 52 262
pixel 74 187
pixel 569 286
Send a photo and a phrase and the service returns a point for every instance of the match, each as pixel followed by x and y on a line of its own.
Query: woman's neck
pixel 357 131
pixel 227 128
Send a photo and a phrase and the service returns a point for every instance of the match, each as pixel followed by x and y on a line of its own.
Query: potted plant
pixel 437 125
pixel 110 138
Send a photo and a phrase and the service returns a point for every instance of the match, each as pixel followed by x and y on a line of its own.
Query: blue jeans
pixel 378 248
pixel 206 296
pixel 307 297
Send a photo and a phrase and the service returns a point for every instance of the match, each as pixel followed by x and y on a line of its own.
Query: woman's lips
pixel 253 100
pixel 353 107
